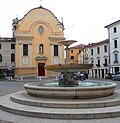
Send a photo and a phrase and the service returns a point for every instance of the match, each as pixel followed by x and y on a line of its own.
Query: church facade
pixel 37 36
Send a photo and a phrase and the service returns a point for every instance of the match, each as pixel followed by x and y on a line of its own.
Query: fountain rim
pixel 28 85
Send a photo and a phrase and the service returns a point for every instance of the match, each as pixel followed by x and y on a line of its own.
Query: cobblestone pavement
pixel 7 87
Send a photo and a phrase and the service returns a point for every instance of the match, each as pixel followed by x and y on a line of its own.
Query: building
pixel 114 46
pixel 74 51
pixel 7 54
pixel 37 37
pixel 99 57
pixel 83 55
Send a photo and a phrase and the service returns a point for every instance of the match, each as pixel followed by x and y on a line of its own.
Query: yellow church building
pixel 37 37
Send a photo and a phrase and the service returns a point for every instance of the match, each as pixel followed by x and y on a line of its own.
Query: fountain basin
pixel 69 67
pixel 87 90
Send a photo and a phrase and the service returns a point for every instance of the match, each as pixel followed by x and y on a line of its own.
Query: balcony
pixel 98 65
pixel 105 64
pixel 41 58
pixel 115 62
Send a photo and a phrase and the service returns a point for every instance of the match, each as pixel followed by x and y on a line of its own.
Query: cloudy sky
pixel 84 20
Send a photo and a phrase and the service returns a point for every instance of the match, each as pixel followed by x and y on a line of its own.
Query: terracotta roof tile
pixel 78 46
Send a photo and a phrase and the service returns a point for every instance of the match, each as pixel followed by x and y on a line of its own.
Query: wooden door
pixel 41 69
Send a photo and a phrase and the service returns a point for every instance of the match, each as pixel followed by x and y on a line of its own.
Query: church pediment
pixel 39 16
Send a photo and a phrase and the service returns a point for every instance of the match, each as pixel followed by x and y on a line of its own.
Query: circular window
pixel 41 29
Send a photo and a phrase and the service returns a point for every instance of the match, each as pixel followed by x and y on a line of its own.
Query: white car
pixel 116 76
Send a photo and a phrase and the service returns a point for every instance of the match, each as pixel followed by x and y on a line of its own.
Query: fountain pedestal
pixel 67 43
pixel 68 71
pixel 68 79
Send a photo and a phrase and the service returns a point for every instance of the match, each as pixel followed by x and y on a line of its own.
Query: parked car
pixel 116 76
pixel 61 76
pixel 81 76
pixel 109 75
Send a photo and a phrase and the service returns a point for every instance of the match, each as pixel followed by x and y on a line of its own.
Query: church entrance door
pixel 41 69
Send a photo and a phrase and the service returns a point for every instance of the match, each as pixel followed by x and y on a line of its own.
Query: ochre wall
pixel 75 52
pixel 27 32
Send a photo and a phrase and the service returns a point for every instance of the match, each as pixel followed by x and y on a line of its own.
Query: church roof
pixel 41 8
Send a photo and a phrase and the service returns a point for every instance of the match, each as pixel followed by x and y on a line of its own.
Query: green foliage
pixel 2 75
pixel 108 76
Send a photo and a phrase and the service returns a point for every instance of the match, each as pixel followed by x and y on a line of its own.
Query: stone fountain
pixel 68 71
pixel 69 87
pixel 70 99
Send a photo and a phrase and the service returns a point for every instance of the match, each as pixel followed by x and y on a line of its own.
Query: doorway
pixel 102 73
pixel 116 69
pixel 41 69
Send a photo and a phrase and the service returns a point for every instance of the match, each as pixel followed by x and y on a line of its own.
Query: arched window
pixel 0 58
pixel 12 57
pixel 41 49
pixel 92 60
pixel 116 58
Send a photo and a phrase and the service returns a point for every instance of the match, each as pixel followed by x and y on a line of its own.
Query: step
pixel 23 98
pixel 58 113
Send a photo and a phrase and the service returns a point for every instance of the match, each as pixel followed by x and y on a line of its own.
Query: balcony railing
pixel 115 62
pixel 105 64
pixel 98 65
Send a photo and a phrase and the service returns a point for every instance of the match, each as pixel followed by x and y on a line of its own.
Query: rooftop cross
pixel 41 3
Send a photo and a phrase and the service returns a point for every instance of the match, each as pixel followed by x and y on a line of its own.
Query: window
pixel 0 46
pixel 0 58
pixel 79 51
pixel 71 51
pixel 72 57
pixel 12 57
pixel 115 29
pixel 105 61
pixel 55 50
pixel 92 61
pixel 25 49
pixel 105 48
pixel 98 61
pixel 115 43
pixel 12 46
pixel 91 51
pixel 98 50
pixel 116 58
pixel 41 48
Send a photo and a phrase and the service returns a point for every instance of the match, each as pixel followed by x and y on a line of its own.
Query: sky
pixel 84 20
